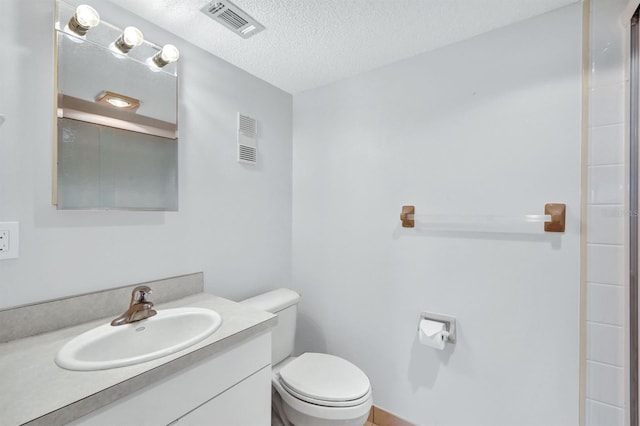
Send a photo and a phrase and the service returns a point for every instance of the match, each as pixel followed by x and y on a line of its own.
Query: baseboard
pixel 380 417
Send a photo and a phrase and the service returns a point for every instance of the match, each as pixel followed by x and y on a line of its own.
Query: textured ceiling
pixel 310 43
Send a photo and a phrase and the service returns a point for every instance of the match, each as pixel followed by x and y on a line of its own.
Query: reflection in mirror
pixel 115 169
pixel 117 116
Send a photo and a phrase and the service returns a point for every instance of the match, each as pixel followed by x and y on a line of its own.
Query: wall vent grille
pixel 247 144
pixel 215 7
pixel 247 154
pixel 232 17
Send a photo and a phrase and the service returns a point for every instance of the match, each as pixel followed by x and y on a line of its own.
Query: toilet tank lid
pixel 273 301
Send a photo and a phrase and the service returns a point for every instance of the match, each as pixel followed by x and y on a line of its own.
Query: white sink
pixel 107 346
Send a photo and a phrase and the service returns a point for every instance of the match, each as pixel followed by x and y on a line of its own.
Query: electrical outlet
pixel 9 240
pixel 4 240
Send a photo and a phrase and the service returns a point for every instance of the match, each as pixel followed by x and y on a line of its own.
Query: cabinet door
pixel 174 396
pixel 246 404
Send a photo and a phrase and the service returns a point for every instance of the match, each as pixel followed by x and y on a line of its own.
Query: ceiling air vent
pixel 232 17
pixel 247 147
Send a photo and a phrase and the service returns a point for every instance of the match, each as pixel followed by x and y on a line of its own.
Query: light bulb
pixel 84 18
pixel 118 102
pixel 87 16
pixel 130 38
pixel 168 54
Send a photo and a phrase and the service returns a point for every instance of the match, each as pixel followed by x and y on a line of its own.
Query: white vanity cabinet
pixel 231 388
pixel 242 405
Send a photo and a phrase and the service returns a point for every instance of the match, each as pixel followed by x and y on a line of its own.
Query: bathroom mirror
pixel 117 133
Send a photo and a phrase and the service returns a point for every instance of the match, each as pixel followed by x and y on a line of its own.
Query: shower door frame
pixel 634 133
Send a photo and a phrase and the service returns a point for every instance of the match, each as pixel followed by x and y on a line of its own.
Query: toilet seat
pixel 325 380
pixel 323 403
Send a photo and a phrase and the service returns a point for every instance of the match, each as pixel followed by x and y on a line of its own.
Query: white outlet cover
pixel 11 229
pixel 4 240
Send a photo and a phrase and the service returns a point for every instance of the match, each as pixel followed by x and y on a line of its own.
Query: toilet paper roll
pixel 433 333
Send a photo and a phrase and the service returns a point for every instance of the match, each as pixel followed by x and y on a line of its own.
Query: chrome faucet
pixel 139 307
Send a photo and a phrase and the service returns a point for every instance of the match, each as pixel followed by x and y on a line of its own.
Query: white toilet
pixel 312 389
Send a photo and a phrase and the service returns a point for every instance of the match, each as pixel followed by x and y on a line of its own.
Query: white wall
pixel 607 276
pixel 234 221
pixel 487 126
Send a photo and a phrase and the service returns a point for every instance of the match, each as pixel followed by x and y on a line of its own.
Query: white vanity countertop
pixel 36 390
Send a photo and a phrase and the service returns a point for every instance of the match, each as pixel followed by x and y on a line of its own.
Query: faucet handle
pixel 139 294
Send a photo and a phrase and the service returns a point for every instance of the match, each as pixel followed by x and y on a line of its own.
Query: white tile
pixel 606 185
pixel 607 105
pixel 607 42
pixel 606 45
pixel 607 69
pixel 606 145
pixel 606 304
pixel 605 383
pixel 606 264
pixel 606 224
pixel 599 414
pixel 607 62
pixel 606 13
pixel 605 343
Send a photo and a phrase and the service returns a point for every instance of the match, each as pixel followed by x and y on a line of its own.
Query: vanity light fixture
pixel 117 100
pixel 130 38
pixel 84 18
pixel 169 53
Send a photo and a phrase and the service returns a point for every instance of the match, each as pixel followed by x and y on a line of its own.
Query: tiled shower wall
pixel 607 218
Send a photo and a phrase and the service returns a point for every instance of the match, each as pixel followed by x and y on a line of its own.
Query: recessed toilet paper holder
pixel 449 322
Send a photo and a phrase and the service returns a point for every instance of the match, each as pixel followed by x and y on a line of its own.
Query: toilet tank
pixel 284 303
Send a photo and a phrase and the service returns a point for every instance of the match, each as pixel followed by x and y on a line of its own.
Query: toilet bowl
pixel 312 389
